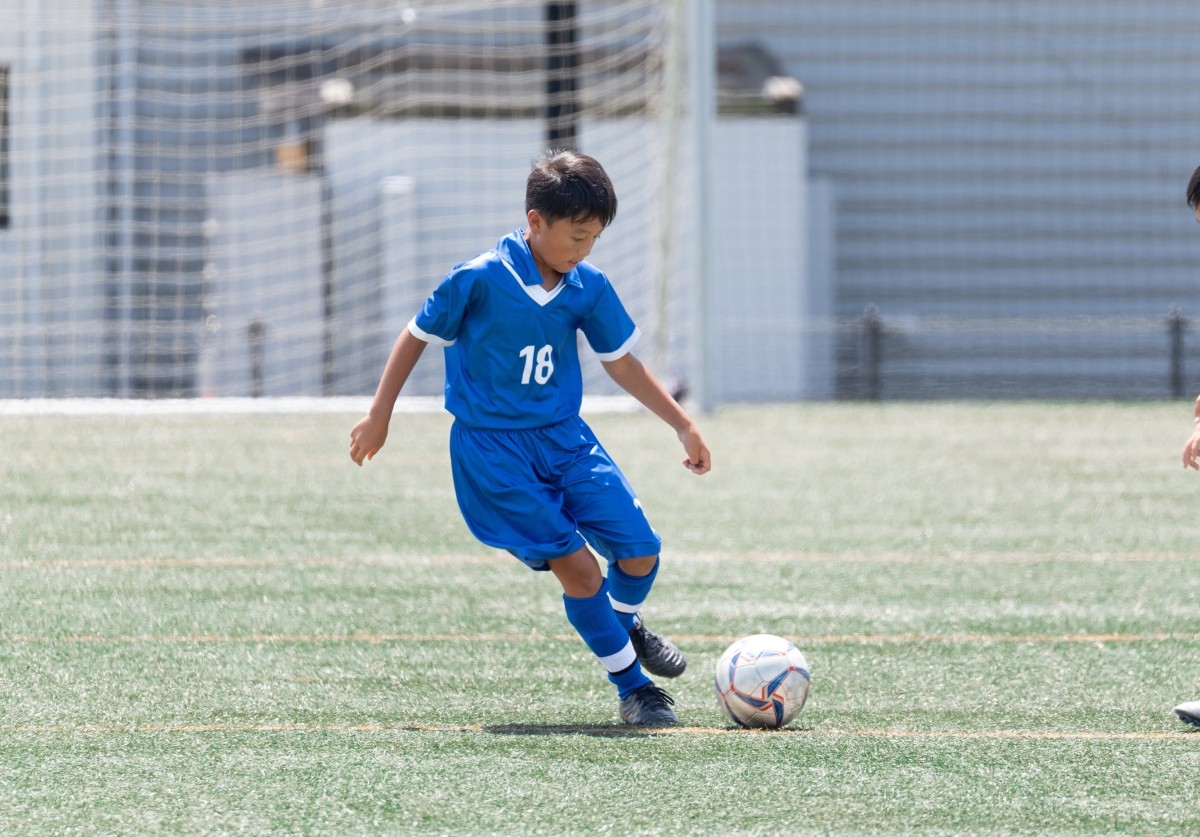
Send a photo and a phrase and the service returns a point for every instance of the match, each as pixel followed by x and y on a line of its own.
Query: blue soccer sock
pixel 628 593
pixel 596 623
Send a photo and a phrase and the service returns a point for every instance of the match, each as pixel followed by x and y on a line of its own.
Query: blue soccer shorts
pixel 540 493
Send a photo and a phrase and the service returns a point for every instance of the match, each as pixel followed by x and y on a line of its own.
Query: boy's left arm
pixel 633 377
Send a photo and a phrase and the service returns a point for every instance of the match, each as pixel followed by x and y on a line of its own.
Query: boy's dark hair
pixel 1193 193
pixel 567 184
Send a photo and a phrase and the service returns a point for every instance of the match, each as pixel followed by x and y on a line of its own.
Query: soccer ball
pixel 762 681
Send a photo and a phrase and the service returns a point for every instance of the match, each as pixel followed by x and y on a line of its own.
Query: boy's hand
pixel 699 460
pixel 1191 451
pixel 366 438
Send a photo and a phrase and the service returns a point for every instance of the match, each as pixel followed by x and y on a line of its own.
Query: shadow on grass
pixel 626 731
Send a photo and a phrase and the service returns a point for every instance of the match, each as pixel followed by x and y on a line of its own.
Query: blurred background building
pixel 918 200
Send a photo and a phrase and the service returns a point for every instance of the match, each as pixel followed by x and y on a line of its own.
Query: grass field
pixel 219 625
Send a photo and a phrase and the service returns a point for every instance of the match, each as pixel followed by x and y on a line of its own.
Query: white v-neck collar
pixel 536 292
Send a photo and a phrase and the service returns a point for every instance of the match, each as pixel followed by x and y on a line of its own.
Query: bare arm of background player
pixel 368 436
pixel 1191 450
pixel 635 379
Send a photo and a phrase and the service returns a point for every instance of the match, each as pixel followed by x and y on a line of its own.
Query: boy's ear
pixel 535 219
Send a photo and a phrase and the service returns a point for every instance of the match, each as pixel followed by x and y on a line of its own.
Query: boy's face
pixel 561 245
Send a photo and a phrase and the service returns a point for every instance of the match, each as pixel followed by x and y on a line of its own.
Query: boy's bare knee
pixel 578 573
pixel 638 567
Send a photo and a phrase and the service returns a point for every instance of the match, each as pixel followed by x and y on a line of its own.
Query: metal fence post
pixel 1176 326
pixel 872 329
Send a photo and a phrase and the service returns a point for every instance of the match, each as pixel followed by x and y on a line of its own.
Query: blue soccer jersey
pixel 512 360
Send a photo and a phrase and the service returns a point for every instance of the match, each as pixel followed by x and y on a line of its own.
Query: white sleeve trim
pixel 624 349
pixel 420 334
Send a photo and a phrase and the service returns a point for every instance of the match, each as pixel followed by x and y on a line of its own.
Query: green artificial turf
pixel 219 625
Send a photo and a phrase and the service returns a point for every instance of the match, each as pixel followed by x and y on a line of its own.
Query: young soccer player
pixel 1190 712
pixel 529 474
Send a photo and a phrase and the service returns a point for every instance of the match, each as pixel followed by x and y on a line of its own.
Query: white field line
pixel 254 563
pixel 485 557
pixel 614 730
pixel 534 636
pixel 298 405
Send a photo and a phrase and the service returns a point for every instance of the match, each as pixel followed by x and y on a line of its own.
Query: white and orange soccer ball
pixel 762 681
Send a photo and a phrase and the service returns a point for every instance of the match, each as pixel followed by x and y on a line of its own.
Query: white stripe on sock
pixel 622 607
pixel 621 660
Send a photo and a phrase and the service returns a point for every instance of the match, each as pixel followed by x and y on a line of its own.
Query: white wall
pixel 264 266
pixel 773 341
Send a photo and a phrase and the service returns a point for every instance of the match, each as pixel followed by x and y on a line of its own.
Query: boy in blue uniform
pixel 529 474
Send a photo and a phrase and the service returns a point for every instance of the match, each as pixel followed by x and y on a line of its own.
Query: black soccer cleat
pixel 1189 712
pixel 657 654
pixel 649 706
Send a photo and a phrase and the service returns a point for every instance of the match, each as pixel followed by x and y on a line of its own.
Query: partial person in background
pixel 1190 712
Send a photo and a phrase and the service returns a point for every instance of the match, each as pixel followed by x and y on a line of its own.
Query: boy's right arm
pixel 369 434
pixel 1191 448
